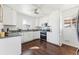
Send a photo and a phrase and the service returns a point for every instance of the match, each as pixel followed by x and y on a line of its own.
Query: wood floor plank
pixel 44 48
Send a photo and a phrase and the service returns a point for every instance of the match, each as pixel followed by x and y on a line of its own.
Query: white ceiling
pixel 43 9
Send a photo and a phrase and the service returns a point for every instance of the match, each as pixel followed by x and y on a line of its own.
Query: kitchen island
pixel 10 45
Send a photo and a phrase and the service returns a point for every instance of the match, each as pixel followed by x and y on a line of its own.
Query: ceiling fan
pixel 36 11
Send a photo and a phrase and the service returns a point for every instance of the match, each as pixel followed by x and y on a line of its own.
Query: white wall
pixel 68 6
pixel 54 22
pixel 61 28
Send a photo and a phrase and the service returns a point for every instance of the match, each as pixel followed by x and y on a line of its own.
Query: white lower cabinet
pixel 10 46
pixel 30 35
pixel 36 35
pixel 27 36
pixel 9 16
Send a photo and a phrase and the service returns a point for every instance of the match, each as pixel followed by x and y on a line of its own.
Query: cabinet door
pixel 27 36
pixel 0 13
pixel 36 35
pixel 8 16
pixel 43 20
pixel 14 16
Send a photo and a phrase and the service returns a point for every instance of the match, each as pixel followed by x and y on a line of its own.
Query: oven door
pixel 43 36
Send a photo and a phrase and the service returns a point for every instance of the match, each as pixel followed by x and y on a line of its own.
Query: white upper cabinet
pixel 9 16
pixel 43 20
pixel 0 13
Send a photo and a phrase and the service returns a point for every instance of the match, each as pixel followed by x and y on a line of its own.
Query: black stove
pixel 43 36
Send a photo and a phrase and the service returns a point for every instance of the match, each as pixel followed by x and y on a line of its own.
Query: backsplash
pixel 11 27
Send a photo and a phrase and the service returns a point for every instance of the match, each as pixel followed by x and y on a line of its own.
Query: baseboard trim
pixel 39 39
pixel 76 52
pixel 69 45
pixel 29 41
pixel 53 44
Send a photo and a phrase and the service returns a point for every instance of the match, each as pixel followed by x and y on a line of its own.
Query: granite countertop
pixel 9 36
pixel 29 30
pixel 15 33
pixel 22 30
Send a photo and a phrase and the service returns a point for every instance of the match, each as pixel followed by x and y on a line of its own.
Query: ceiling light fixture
pixel 36 11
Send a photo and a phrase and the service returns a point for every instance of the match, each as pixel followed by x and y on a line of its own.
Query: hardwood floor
pixel 44 48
